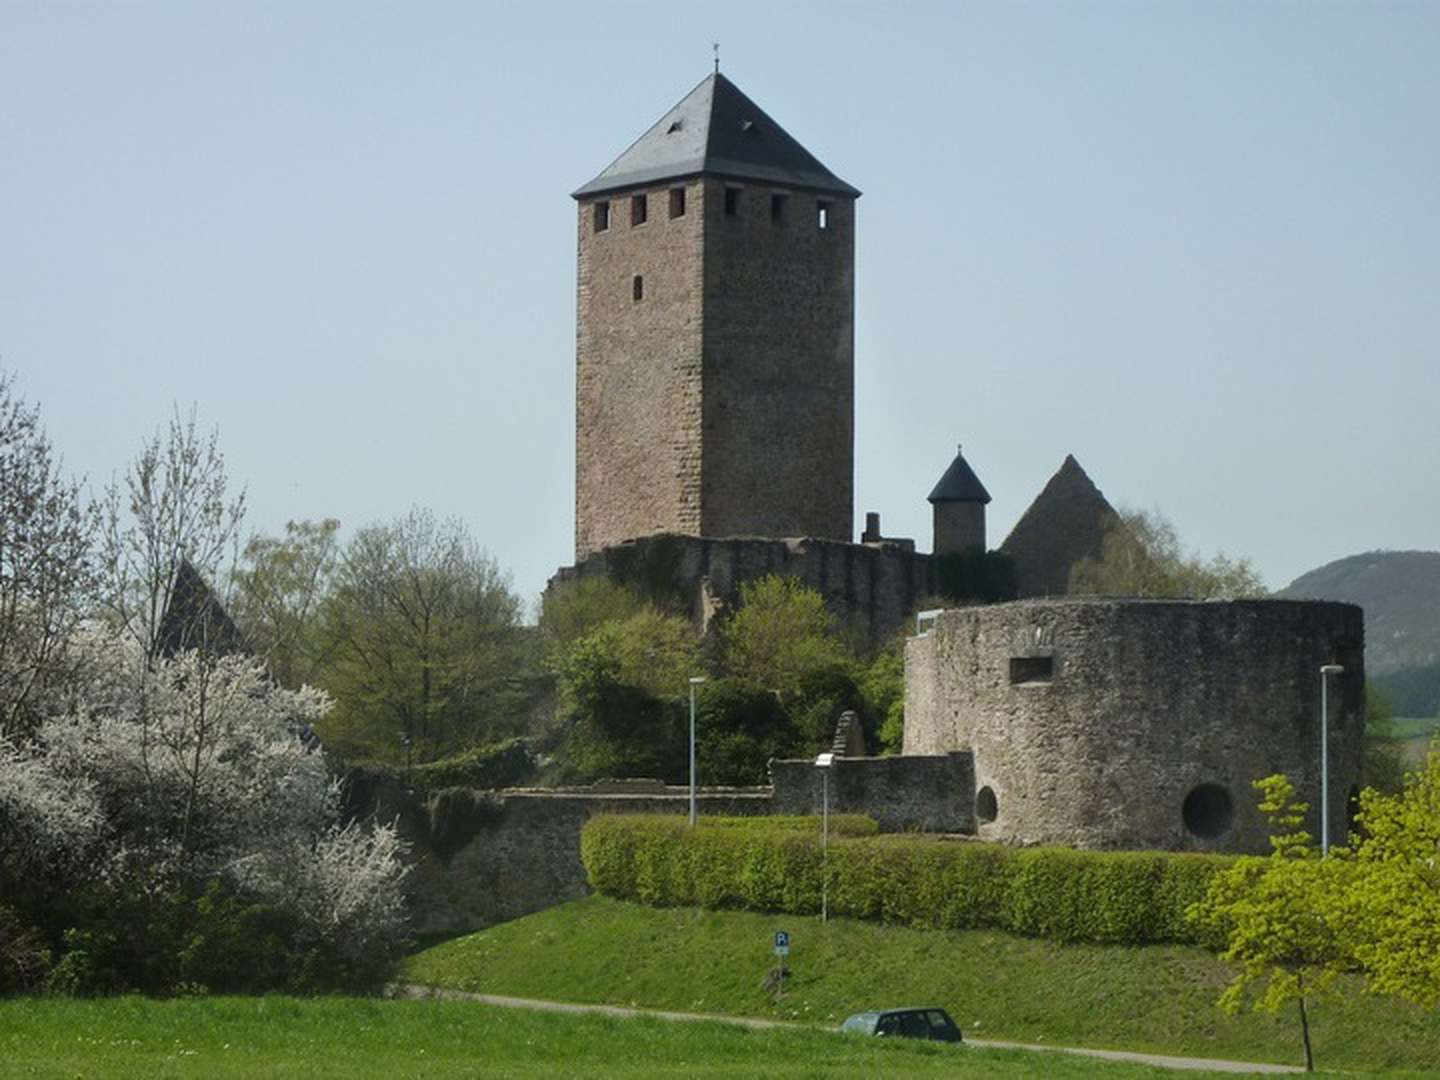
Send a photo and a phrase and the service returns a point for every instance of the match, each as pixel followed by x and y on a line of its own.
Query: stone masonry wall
pixel 480 858
pixel 638 369
pixel 927 794
pixel 1129 723
pixel 485 857
pixel 877 587
pixel 718 399
pixel 779 396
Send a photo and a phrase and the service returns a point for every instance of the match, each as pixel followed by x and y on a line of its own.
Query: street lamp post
pixel 1326 670
pixel 695 680
pixel 823 763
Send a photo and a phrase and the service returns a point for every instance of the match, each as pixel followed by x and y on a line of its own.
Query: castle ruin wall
pixel 1139 724
pixel 876 587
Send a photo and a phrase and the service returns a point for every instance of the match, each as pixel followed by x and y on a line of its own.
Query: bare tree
pixel 46 570
pixel 170 516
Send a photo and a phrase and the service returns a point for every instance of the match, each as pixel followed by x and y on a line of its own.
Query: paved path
pixel 1165 1061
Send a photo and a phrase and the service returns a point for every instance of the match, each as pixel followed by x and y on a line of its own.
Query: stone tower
pixel 959 503
pixel 715 338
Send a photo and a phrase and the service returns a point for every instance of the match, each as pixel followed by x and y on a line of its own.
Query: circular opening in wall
pixel 1208 811
pixel 986 808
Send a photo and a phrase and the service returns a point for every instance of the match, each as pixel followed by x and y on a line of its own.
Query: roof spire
pixel 716 46
pixel 715 130
pixel 959 483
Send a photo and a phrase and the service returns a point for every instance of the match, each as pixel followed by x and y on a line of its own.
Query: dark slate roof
pixel 716 130
pixel 194 618
pixel 959 484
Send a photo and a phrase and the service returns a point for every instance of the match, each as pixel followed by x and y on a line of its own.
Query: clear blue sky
pixel 1195 244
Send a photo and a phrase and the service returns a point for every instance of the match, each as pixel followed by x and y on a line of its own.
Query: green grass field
pixel 352 1037
pixel 1153 998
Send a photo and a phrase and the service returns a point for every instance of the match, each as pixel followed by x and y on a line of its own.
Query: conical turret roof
pixel 716 130
pixel 959 484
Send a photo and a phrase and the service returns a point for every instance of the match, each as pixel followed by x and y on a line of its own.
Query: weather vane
pixel 716 46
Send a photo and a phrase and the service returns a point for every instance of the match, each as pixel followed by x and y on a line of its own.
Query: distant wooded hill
pixel 1400 592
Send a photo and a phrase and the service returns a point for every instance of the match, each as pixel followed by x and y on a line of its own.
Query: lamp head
pixel 1331 669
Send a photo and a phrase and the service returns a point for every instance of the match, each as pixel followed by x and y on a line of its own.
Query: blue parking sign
pixel 782 942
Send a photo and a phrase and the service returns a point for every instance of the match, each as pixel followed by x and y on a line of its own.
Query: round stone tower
pixel 1140 724
pixel 959 507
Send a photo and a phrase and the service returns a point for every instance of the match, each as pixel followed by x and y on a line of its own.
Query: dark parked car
pixel 929 1023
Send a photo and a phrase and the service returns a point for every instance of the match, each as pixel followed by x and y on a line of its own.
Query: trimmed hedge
pixel 1130 897
pixel 840 824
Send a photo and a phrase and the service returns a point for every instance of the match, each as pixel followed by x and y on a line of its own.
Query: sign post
pixel 782 950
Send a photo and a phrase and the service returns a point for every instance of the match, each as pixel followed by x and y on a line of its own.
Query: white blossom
pixel 190 768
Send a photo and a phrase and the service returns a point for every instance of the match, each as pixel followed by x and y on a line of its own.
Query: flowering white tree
pixel 46 571
pixel 173 510
pixel 169 773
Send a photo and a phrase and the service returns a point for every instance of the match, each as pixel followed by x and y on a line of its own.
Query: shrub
pixel 173 822
pixel 24 957
pixel 502 764
pixel 776 865
pixel 739 727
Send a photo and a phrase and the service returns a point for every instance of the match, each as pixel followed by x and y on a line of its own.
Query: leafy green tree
pixel 621 688
pixel 739 728
pixel 612 728
pixel 882 686
pixel 571 609
pixel 279 587
pixel 424 651
pixel 1391 905
pixel 1273 917
pixel 1384 760
pixel 1141 556
pixel 781 632
pixel 652 651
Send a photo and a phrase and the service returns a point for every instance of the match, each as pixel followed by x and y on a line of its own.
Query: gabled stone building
pixel 1066 523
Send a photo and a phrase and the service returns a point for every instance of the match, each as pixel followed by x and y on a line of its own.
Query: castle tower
pixel 959 503
pixel 715 338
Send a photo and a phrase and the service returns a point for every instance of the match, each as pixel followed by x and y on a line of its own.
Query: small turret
pixel 959 500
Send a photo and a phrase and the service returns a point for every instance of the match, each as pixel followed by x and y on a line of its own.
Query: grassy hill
pixel 1155 998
